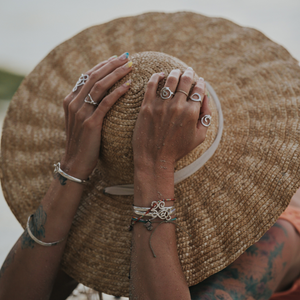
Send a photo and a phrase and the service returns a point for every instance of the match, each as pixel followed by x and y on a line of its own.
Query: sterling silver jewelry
pixel 159 210
pixel 196 97
pixel 206 120
pixel 181 91
pixel 166 93
pixel 81 81
pixel 88 99
pixel 58 170
pixel 38 241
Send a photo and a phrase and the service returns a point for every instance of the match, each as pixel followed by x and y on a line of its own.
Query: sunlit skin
pixel 270 265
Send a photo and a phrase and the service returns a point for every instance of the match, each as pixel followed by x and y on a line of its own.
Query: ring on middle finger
pixel 183 92
pixel 166 93
pixel 88 99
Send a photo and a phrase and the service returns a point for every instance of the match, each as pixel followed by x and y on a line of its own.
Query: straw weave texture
pixel 227 205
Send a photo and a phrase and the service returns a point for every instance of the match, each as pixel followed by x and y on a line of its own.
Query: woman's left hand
pixel 167 130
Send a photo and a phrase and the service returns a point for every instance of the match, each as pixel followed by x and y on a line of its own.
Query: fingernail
pixel 127 83
pixel 162 73
pixel 129 64
pixel 200 78
pixel 124 56
pixel 190 68
pixel 115 56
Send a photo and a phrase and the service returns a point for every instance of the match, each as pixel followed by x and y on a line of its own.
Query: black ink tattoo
pixel 281 227
pixel 61 179
pixel 37 228
pixel 9 259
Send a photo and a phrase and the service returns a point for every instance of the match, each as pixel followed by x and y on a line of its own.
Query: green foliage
pixel 9 83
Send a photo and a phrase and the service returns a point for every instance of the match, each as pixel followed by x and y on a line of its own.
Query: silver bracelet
pixel 159 210
pixel 58 170
pixel 38 241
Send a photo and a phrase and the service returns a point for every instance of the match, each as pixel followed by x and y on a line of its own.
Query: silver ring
pixel 81 81
pixel 88 99
pixel 183 92
pixel 166 93
pixel 206 120
pixel 198 97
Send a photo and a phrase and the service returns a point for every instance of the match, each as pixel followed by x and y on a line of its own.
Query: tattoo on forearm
pixel 61 179
pixel 237 282
pixel 9 259
pixel 37 228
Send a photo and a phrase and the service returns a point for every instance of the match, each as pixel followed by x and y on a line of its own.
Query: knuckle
pixel 80 116
pixel 66 102
pixel 94 76
pixel 89 124
pixel 186 79
pixel 172 80
pixel 151 85
pixel 146 110
pixel 99 86
pixel 72 108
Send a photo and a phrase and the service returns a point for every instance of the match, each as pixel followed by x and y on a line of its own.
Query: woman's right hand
pixel 84 121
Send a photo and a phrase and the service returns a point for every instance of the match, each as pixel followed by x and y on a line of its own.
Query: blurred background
pixel 29 29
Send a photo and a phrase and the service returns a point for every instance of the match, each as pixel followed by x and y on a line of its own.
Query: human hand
pixel 167 130
pixel 84 120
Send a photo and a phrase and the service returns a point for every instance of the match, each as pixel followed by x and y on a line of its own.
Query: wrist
pixel 153 183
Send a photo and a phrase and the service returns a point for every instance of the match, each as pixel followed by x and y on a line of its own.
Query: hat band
pixel 128 189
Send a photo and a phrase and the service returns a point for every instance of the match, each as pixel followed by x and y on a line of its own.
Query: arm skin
pixel 30 270
pixel 160 125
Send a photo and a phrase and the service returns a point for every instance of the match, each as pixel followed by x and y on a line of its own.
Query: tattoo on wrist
pixel 37 228
pixel 61 179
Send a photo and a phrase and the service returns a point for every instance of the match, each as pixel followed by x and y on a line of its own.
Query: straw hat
pixel 226 205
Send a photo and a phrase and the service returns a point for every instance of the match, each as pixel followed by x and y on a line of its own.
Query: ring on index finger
pixel 166 93
pixel 81 81
pixel 88 99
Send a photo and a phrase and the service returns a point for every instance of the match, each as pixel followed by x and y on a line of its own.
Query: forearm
pixel 30 269
pixel 159 277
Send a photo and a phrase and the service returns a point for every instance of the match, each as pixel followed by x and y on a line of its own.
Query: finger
pixel 105 70
pixel 198 91
pixel 172 80
pixel 100 88
pixel 205 111
pixel 100 65
pixel 185 84
pixel 152 86
pixel 72 95
pixel 105 105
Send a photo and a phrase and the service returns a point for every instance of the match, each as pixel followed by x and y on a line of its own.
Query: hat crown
pixel 116 153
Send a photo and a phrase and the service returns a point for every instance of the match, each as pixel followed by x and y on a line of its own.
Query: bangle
pixel 58 170
pixel 38 241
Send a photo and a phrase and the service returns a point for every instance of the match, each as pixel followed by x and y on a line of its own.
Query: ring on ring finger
pixel 166 93
pixel 88 99
pixel 196 97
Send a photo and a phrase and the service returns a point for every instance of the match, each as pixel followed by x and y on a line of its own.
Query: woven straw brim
pixel 226 206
